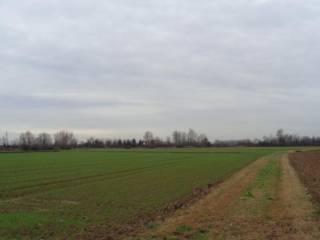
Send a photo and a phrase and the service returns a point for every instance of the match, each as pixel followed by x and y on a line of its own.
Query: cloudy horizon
pixel 238 69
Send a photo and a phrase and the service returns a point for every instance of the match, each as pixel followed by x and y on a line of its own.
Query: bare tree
pixel 176 137
pixel 203 140
pixel 192 137
pixel 27 140
pixel 148 137
pixel 179 138
pixel 5 140
pixel 44 141
pixel 183 138
pixel 168 141
pixel 64 140
pixel 281 137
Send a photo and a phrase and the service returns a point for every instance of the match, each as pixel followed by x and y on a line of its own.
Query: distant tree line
pixel 178 139
pixel 285 139
pixel 280 139
pixel 67 140
pixel 42 141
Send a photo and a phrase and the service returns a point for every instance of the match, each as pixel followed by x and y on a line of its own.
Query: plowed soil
pixel 265 200
pixel 307 165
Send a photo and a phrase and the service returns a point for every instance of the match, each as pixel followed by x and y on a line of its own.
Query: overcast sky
pixel 231 69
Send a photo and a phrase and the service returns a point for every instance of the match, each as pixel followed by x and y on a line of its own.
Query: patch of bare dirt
pixel 293 209
pixel 307 165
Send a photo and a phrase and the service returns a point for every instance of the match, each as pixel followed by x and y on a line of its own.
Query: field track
pixel 265 200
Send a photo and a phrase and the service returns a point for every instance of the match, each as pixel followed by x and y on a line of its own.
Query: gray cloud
pixel 231 69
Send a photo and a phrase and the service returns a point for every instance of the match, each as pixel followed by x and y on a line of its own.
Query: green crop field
pixel 61 194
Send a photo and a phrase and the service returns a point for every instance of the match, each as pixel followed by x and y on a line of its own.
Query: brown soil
pixel 290 215
pixel 293 209
pixel 307 165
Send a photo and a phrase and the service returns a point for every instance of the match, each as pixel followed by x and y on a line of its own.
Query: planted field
pixel 59 194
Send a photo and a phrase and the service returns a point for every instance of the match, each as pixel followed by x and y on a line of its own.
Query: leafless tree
pixel 64 140
pixel 148 137
pixel 203 140
pixel 192 136
pixel 27 140
pixel 179 138
pixel 183 138
pixel 44 141
pixel 4 140
pixel 168 141
pixel 281 136
pixel 176 137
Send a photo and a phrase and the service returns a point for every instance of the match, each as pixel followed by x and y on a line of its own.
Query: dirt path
pixel 262 201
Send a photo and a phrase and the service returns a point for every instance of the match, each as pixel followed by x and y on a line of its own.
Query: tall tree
pixel 192 137
pixel 281 137
pixel 27 140
pixel 65 140
pixel 44 141
pixel 148 137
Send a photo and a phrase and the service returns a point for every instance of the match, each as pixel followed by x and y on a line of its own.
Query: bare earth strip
pixel 294 207
pixel 255 203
